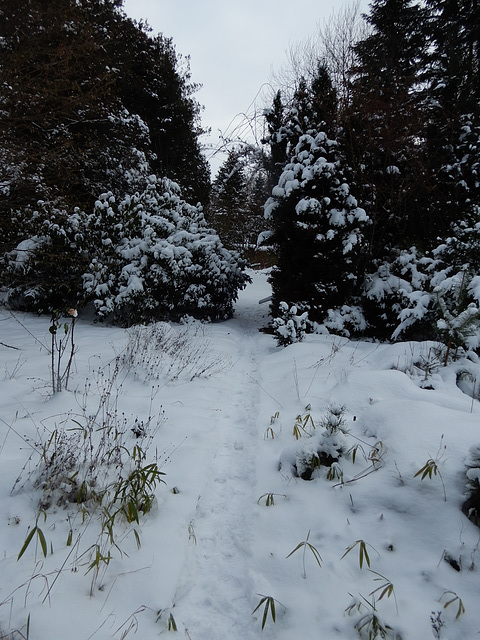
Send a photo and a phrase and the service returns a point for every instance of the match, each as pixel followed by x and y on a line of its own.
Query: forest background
pixel 362 183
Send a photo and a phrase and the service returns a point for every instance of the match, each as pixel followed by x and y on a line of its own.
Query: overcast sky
pixel 234 45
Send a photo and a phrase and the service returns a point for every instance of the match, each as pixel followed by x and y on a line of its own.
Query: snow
pixel 24 249
pixel 221 401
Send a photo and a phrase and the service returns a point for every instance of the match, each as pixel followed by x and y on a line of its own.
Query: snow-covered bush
pixel 345 321
pixel 289 326
pixel 149 256
pixel 317 453
pixel 44 271
pixel 426 297
pixel 159 259
pixel 459 322
pixel 397 298
pixel 455 284
pixel 471 507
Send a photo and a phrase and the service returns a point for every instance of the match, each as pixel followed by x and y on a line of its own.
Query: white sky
pixel 234 45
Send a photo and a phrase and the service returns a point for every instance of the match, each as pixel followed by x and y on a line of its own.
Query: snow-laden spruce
pixel 319 233
pixel 159 259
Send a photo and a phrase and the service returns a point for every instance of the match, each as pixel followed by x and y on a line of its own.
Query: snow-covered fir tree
pixel 318 227
pixel 451 106
pixel 237 197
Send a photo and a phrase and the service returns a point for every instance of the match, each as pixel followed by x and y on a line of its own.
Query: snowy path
pixel 216 592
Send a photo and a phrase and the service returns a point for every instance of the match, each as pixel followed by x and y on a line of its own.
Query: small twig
pixel 60 570
pixel 9 426
pixel 28 331
pixel 359 476
pixel 295 377
pixel 9 346
pixel 268 394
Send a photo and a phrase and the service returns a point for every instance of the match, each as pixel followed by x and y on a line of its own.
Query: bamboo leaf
pixel 299 546
pixel 348 549
pixel 420 471
pixel 172 625
pixel 364 553
pixel 137 538
pixel 387 590
pixel 27 542
pixel 272 607
pixel 264 619
pixel 132 512
pixel 262 600
pixel 316 554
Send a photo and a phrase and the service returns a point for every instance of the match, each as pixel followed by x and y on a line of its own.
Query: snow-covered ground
pixel 220 420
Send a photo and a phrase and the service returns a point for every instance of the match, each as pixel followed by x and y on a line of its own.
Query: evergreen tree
pixel 318 227
pixel 238 194
pixel 276 138
pixel 452 106
pixel 90 103
pixel 228 207
pixel 453 59
pixel 384 125
pixel 384 132
pixel 311 103
pixel 64 132
pixel 451 102
pixel 155 83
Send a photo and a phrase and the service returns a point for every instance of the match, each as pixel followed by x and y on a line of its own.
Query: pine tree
pixel 313 102
pixel 91 102
pixel 276 138
pixel 154 82
pixel 453 60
